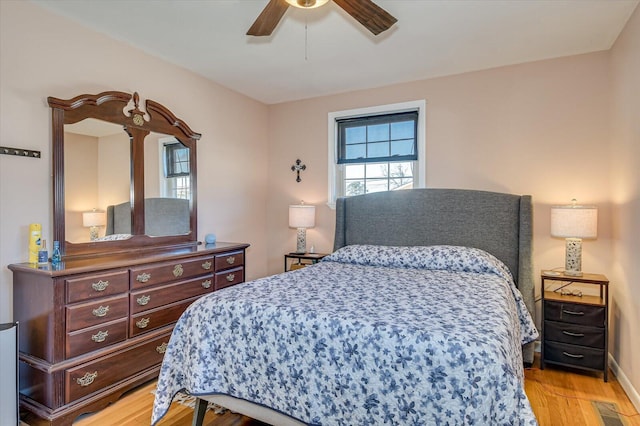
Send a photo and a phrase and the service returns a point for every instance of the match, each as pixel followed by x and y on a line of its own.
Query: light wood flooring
pixel 559 398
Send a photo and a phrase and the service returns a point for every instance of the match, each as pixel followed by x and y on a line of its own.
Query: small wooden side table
pixel 575 327
pixel 299 260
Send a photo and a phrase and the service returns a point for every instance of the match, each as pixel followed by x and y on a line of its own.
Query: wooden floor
pixel 558 397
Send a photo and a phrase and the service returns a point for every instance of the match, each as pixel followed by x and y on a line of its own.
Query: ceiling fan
pixel 372 16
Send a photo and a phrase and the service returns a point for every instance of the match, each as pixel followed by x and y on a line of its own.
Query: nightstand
pixel 299 260
pixel 575 327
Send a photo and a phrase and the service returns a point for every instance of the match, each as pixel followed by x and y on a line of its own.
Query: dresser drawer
pixel 574 334
pixel 579 356
pixel 159 317
pixel 92 286
pixel 151 298
pixel 574 313
pixel 94 338
pixel 229 277
pixel 96 312
pixel 94 376
pixel 159 273
pixel 229 260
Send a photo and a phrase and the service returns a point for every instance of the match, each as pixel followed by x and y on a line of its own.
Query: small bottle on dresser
pixel 43 254
pixel 55 255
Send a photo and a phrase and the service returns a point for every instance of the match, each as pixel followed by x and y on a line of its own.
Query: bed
pixel 422 315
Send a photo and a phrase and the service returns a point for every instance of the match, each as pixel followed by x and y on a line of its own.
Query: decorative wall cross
pixel 297 167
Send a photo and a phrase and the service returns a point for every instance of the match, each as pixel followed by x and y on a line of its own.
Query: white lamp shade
pixel 94 218
pixel 302 216
pixel 574 221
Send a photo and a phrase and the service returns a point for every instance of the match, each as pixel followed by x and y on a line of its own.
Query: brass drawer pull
pixel 162 348
pixel 572 312
pixel 100 285
pixel 207 265
pixel 142 323
pixel 568 333
pixel 143 278
pixel 87 379
pixel 178 271
pixel 143 300
pixel 206 284
pixel 572 355
pixel 231 260
pixel 100 336
pixel 101 311
pixel 231 277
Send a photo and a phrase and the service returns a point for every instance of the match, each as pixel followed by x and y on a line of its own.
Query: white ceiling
pixel 336 54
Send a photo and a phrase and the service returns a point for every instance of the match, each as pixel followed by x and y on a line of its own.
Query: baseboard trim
pixel 631 392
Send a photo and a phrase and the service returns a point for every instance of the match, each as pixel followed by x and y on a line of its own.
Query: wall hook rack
pixel 5 150
pixel 297 167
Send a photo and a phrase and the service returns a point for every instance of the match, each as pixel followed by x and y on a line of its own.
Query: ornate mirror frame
pixel 110 107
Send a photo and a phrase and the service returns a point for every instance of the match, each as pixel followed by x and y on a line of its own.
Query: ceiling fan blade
pixel 373 17
pixel 269 18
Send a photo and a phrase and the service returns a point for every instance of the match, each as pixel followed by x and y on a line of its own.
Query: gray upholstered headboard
pixel 500 224
pixel 162 216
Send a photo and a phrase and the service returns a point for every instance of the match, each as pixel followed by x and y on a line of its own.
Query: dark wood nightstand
pixel 575 327
pixel 299 260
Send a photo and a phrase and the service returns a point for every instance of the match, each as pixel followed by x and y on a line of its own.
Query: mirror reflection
pixel 97 175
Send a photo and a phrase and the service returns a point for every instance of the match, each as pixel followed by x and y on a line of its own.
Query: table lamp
pixel 302 216
pixel 93 220
pixel 574 222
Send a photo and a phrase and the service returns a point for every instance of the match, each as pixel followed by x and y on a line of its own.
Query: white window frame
pixel 333 167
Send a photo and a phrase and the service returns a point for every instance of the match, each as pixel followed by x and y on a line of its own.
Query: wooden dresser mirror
pixel 136 168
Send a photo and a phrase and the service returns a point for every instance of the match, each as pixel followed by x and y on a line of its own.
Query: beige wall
pixel 625 201
pixel 46 55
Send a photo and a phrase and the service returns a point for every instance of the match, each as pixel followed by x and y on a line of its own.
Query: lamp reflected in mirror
pixel 93 220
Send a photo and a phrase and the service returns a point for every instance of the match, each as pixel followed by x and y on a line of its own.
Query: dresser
pixel 575 326
pixel 93 328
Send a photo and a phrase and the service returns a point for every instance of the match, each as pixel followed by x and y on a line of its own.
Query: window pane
pixel 402 147
pixel 354 187
pixel 354 171
pixel 379 132
pixel 400 183
pixel 355 135
pixel 356 151
pixel 378 149
pixel 404 169
pixel 377 170
pixel 403 130
pixel 376 185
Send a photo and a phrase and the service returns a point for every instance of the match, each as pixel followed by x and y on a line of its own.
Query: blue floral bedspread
pixel 370 335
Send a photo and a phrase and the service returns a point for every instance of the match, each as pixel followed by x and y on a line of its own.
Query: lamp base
pixel 573 257
pixel 301 241
pixel 573 273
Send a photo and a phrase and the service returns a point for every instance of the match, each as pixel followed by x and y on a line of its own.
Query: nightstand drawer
pixel 574 334
pixel 574 313
pixel 579 356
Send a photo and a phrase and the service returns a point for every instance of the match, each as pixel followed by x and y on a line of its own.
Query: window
pixel 176 182
pixel 376 149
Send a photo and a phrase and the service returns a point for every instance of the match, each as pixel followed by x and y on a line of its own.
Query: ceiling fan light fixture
pixel 307 4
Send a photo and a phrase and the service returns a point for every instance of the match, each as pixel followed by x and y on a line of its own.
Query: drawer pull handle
pixel 572 355
pixel 162 348
pixel 143 278
pixel 207 265
pixel 101 311
pixel 87 379
pixel 572 312
pixel 143 300
pixel 178 271
pixel 143 323
pixel 206 284
pixel 100 336
pixel 231 260
pixel 231 277
pixel 568 333
pixel 100 285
